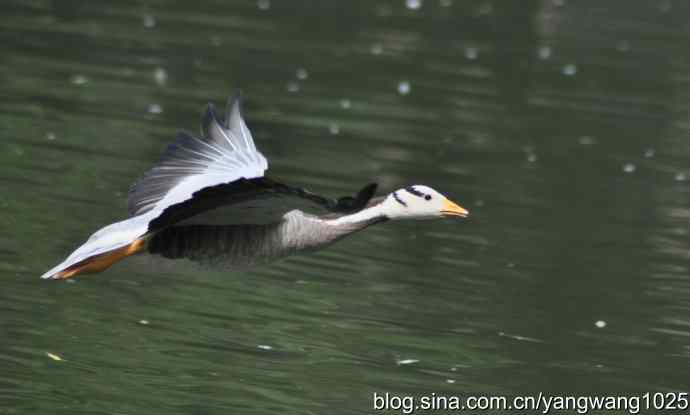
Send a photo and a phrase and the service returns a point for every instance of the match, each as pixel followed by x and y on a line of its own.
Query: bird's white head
pixel 420 202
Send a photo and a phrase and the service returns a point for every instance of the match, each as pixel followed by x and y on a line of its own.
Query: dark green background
pixel 562 125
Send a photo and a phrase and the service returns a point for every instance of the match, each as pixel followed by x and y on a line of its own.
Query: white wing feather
pixel 225 153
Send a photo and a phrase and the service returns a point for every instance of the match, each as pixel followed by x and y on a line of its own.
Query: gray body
pixel 243 246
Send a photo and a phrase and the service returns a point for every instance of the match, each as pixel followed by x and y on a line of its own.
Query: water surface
pixel 562 126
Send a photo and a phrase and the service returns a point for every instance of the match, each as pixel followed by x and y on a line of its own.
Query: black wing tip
pixel 365 194
pixel 352 204
pixel 368 191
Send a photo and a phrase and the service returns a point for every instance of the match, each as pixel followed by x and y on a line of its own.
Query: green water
pixel 561 125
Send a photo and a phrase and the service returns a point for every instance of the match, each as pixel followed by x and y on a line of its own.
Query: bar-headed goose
pixel 207 199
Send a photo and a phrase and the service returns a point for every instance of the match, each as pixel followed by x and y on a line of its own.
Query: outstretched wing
pixel 218 178
pixel 256 201
pixel 225 152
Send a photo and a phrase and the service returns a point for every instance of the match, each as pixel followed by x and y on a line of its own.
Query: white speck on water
pixel 301 74
pixel 586 140
pixel 479 203
pixel 144 322
pixel 485 8
pixel 376 49
pixel 453 369
pixel 149 21
pixel 531 157
pixel 559 3
pixel 216 40
pixel 155 109
pixel 79 79
pixel 544 52
pixel 264 347
pixel 665 7
pixel 569 69
pixel 160 76
pixel 413 4
pixel 334 129
pixel 450 380
pixel 679 231
pixel 292 87
pixel 54 356
pixel 406 361
pixel 404 87
pixel 519 338
pixel 345 104
pixel 629 168
pixel 649 153
pixel 623 46
pixel 263 4
pixel 680 177
pixel 600 324
pixel 384 10
pixel 471 52
pixel 51 136
pixel 446 3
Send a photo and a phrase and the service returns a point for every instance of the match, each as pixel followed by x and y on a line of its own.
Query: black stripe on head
pixel 414 191
pixel 399 200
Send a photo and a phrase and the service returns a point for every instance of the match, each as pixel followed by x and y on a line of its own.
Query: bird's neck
pixel 359 220
pixel 302 232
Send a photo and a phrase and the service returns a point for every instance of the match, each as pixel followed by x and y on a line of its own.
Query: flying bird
pixel 208 200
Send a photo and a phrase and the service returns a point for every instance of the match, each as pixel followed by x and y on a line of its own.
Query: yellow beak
pixel 451 209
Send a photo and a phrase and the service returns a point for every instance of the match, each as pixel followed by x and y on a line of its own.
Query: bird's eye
pixel 427 197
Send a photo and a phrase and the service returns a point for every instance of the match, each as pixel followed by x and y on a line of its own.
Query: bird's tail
pixel 105 247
